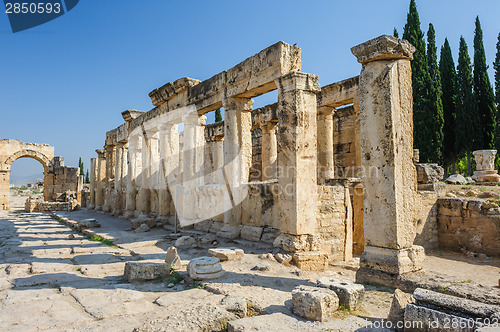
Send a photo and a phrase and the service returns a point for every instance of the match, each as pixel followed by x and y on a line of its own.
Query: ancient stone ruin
pixel 62 185
pixel 319 174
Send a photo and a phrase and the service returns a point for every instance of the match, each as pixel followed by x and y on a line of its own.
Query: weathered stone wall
pixel 334 222
pixel 61 179
pixel 345 144
pixel 470 224
pixel 426 222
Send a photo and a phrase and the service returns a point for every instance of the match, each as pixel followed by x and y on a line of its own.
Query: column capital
pixel 326 110
pixel 195 120
pixel 267 126
pixel 238 104
pixel 383 48
pixel 298 81
pixel 100 153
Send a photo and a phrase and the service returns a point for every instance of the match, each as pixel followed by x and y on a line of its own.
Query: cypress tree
pixel 218 115
pixel 449 98
pixel 423 118
pixel 467 127
pixel 87 177
pixel 496 66
pixel 395 33
pixel 483 91
pixel 435 93
pixel 80 164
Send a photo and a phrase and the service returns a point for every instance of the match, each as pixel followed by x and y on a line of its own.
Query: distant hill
pixel 19 180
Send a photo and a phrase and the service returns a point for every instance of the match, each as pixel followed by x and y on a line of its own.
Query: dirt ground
pixel 50 281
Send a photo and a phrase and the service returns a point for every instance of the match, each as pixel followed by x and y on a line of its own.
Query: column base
pixel 91 207
pixel 128 214
pixel 106 209
pixel 98 208
pixel 486 176
pixel 393 261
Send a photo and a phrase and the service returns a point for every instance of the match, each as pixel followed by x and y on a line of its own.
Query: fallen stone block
pixel 398 305
pixel 429 173
pixel 141 229
pixel 284 259
pixel 184 241
pixel 420 318
pixel 144 271
pixel 227 254
pixel 311 260
pixel 205 268
pixel 229 232
pixel 235 304
pixel 350 294
pixel 173 259
pixel 251 233
pixel 203 226
pixel 87 223
pixel 314 303
pixel 269 234
pixel 455 304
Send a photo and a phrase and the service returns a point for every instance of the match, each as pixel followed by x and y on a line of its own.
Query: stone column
pixel 93 176
pixel 192 166
pixel 389 176
pixel 297 153
pixel 134 171
pixel 4 189
pixel 100 178
pixel 169 167
pixel 237 159
pixel 154 167
pixel 193 150
pixel 326 167
pixel 218 159
pixel 120 159
pixel 144 195
pixel 109 195
pixel 269 151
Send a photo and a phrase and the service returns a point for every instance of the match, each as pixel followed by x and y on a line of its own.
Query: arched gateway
pixel 13 149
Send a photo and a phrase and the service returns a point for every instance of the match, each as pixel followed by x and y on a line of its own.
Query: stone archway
pixel 11 150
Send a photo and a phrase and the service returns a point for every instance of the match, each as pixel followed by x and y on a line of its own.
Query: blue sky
pixel 66 82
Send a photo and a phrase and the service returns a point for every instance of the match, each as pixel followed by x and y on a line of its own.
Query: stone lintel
pixel 339 93
pixel 383 48
pixel 129 115
pixel 298 81
pixel 169 90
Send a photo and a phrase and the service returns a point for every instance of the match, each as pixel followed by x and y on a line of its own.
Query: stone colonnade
pixel 143 169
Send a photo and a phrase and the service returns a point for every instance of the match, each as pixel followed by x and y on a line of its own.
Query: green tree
pixel 87 177
pixel 434 97
pixel 449 98
pixel 395 33
pixel 496 66
pixel 218 115
pixel 80 164
pixel 467 125
pixel 423 117
pixel 483 91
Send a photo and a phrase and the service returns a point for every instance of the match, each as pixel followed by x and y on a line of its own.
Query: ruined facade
pixel 302 173
pixel 59 180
